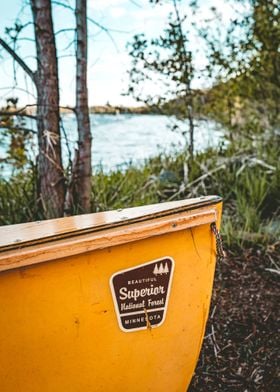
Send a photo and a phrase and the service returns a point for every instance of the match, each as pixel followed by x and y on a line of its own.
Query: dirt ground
pixel 241 345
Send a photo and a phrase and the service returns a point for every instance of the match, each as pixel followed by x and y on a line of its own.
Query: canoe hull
pixel 59 326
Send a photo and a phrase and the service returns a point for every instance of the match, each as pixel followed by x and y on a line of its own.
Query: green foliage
pixel 15 137
pixel 18 199
pixel 166 59
pixel 166 62
pixel 247 65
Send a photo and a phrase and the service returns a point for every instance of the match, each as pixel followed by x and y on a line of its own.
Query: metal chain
pixel 219 242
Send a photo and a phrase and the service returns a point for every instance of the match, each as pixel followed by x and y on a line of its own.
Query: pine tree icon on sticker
pixel 159 270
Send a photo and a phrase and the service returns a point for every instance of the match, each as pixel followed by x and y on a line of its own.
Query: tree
pixel 51 188
pixel 15 137
pixel 83 170
pixel 247 63
pixel 51 176
pixel 168 60
pixel 55 194
pixel 264 43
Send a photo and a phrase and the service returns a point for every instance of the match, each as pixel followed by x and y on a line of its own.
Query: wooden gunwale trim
pixel 101 239
pixel 120 221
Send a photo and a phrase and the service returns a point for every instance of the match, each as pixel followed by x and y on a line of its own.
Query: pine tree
pixel 156 271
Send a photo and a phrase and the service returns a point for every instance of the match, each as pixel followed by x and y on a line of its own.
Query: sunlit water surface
pixel 119 140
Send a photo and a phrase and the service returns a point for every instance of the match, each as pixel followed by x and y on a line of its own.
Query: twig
pixel 273 262
pixel 263 164
pixel 101 27
pixel 67 143
pixel 65 31
pixel 13 88
pixel 52 161
pixel 20 111
pixel 16 128
pixel 18 59
pixel 274 271
pixel 136 4
pixel 197 180
pixel 215 345
pixel 17 113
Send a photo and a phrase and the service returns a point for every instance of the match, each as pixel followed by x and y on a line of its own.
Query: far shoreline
pixel 98 109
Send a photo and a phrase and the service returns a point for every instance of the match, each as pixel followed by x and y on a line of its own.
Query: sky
pixel 108 61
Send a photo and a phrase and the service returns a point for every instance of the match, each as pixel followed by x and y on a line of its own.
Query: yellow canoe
pixel 113 301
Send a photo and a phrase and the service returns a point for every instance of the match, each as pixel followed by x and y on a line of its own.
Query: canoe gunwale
pixel 59 248
pixel 13 241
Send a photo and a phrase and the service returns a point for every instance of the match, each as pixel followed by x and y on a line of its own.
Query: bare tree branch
pixel 136 4
pixel 107 30
pixel 65 31
pixel 25 39
pixel 21 112
pixel 16 113
pixel 16 128
pixel 12 88
pixel 68 46
pixel 18 59
pixel 66 142
pixel 68 108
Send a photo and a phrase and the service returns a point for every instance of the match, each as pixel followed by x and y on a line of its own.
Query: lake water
pixel 122 139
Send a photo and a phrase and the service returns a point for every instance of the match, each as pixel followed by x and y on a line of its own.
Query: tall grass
pixel 18 199
pixel 245 174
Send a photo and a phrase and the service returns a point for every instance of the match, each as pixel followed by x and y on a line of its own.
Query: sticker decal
pixel 141 294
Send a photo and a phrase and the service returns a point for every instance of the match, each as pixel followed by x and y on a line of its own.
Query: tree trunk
pixel 83 170
pixel 51 177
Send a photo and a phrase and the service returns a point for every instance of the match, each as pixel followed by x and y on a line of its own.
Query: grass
pixel 18 199
pixel 247 179
pixel 246 174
